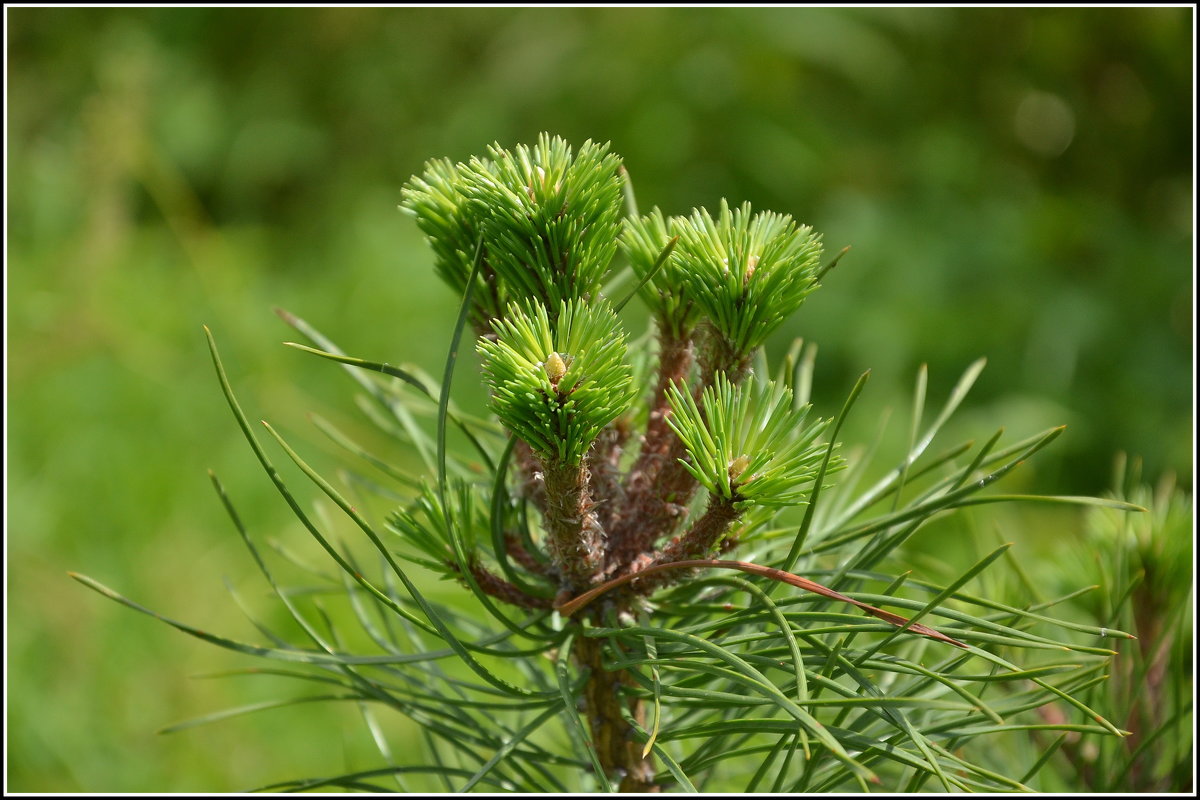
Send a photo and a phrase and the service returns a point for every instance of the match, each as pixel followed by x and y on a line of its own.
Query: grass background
pixel 1015 183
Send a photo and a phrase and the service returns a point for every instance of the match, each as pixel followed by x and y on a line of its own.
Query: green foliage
pixel 550 218
pixel 742 274
pixel 557 384
pixel 1154 549
pixel 750 444
pixel 747 273
pixel 1141 568
pixel 548 215
pixel 433 521
pixel 792 684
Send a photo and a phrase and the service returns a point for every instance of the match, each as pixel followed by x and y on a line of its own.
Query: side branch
pixel 674 361
pixel 517 552
pixel 697 543
pixel 700 539
pixel 501 589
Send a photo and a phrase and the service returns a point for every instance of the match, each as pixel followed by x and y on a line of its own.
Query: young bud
pixel 555 368
pixel 737 468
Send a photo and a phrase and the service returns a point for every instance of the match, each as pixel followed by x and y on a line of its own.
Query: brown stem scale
pixel 574 537
pixel 658 488
pixel 604 461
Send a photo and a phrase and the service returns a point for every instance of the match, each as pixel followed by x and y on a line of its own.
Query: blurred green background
pixel 1015 183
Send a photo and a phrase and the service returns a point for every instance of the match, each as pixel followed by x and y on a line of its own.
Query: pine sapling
pixel 626 518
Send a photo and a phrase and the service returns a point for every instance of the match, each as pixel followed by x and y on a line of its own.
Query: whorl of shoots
pixel 746 273
pixel 749 445
pixel 550 217
pixel 557 384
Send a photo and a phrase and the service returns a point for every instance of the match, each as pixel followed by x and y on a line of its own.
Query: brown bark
pixel 498 587
pixel 698 542
pixel 675 359
pixel 518 553
pixel 658 488
pixel 703 536
pixel 604 462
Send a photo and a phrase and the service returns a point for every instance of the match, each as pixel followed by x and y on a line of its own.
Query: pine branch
pixel 657 488
pixel 704 535
pixel 516 550
pixel 574 537
pixel 501 589
pixel 526 236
